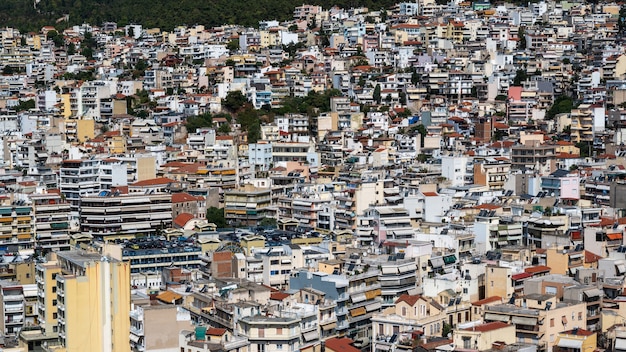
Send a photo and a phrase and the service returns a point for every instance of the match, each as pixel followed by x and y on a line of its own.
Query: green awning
pixel 449 259
pixel 6 211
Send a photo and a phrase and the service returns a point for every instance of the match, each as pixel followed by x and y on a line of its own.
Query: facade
pixel 52 222
pixel 91 280
pixel 112 216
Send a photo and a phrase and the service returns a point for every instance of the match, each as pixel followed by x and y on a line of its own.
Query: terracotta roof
pixel 430 194
pixel 215 331
pixel 182 219
pixel 183 197
pixel 488 326
pixel 521 276
pixel 279 296
pixel 169 297
pixel 579 332
pixel 409 299
pixel 537 269
pixel 488 206
pixel 487 300
pixel 341 344
pixel 153 182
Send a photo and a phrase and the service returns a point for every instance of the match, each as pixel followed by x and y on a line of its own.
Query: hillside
pixel 164 14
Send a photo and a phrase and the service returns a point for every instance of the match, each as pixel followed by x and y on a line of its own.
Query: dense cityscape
pixel 432 176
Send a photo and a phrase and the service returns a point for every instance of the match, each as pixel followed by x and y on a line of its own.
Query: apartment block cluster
pixel 463 188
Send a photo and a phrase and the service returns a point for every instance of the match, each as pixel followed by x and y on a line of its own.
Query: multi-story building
pixel 79 178
pixel 247 206
pixel 52 226
pixel 153 254
pixel 45 278
pixel 157 327
pixel 13 308
pixel 109 216
pixel 17 226
pixel 102 284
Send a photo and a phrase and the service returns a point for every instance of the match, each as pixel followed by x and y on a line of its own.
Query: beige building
pixel 93 300
pixel 498 282
pixel 538 318
pixel 484 336
pixel 157 327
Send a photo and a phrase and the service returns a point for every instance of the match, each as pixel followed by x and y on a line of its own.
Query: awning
pixel 594 292
pixel 134 338
pixel 521 276
pixel 311 335
pixel 358 311
pixel 436 262
pixel 569 343
pixel 449 259
pixel 575 256
pixel 373 293
pixel 524 321
pixel 614 236
pixel 496 317
pixel 359 297
pixel 329 326
pixel 372 307
pixel 407 268
pixel 620 344
pixel 390 270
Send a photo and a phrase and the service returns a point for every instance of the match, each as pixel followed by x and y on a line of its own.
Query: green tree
pixel 193 123
pixel 233 45
pixel 562 104
pixel 234 100
pixel 223 129
pixel 25 105
pixel 520 76
pixel 521 34
pixel 216 216
pixel 376 95
pixel 268 222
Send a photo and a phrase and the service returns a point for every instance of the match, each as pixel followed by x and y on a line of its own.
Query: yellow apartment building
pixel 46 295
pixel 93 298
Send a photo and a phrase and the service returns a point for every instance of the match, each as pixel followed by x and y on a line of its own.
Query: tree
pixel 562 104
pixel 194 123
pixel 376 95
pixel 223 129
pixel 233 45
pixel 25 105
pixel 521 34
pixel 268 222
pixel 216 216
pixel 234 100
pixel 520 76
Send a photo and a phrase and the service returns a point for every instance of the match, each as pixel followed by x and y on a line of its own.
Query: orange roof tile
pixel 182 219
pixel 153 182
pixel 488 326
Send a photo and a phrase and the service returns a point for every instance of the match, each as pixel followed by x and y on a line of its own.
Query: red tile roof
pixel 341 344
pixel 430 194
pixel 183 197
pixel 182 219
pixel 279 296
pixel 409 299
pixel 487 300
pixel 488 206
pixel 215 331
pixel 537 269
pixel 153 182
pixel 521 276
pixel 221 256
pixel 488 327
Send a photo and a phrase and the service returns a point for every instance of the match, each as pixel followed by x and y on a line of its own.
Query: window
pixel 54 315
pixel 580 316
pixel 381 329
pixel 54 302
pixel 279 346
pixel 404 311
pixel 491 281
pixel 396 329
pixel 279 331
pixel 261 332
pixel 552 322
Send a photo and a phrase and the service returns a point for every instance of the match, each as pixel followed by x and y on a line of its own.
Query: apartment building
pixel 157 327
pixel 247 206
pixel 110 215
pixel 13 308
pixel 101 283
pixel 52 226
pixel 47 300
pixel 17 224
pixel 539 318
pixel 78 178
